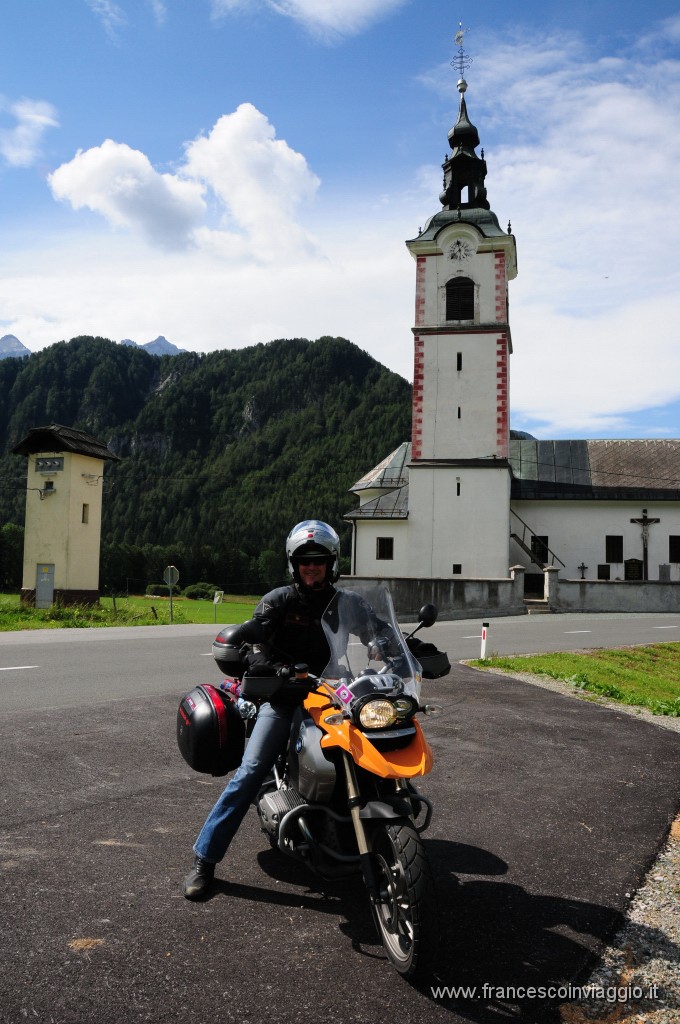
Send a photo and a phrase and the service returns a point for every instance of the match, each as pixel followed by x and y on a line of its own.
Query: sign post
pixel 171 576
pixel 217 599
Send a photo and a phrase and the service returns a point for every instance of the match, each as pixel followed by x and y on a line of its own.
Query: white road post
pixel 485 631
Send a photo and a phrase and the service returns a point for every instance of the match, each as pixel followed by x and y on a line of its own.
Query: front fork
pixel 354 803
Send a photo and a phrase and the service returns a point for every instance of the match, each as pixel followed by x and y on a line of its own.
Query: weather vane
pixel 462 60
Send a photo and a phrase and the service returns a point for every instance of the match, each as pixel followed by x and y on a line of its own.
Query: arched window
pixel 460 299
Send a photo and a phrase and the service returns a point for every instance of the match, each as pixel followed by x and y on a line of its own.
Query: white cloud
pixel 20 144
pixel 256 183
pixel 258 178
pixel 110 14
pixel 325 17
pixel 159 10
pixel 120 183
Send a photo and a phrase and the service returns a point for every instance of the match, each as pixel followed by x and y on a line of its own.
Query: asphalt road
pixel 548 812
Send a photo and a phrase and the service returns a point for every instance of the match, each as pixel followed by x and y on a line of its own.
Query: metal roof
pixel 389 473
pixel 599 470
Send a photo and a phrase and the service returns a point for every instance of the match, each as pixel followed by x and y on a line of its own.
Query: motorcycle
pixel 342 799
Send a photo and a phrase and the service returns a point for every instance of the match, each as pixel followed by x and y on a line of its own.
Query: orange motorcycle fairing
pixel 405 763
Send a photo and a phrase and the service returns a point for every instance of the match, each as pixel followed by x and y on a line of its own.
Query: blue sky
pixel 225 172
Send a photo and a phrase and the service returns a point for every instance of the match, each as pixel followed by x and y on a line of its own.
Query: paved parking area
pixel 548 812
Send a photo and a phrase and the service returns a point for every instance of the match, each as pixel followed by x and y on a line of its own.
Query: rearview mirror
pixel 427 615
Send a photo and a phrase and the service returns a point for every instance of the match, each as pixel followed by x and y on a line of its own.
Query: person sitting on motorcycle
pixel 289 619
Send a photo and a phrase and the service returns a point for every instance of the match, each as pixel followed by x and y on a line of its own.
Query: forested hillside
pixel 220 453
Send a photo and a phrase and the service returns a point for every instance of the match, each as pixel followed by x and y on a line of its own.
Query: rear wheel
pixel 404 908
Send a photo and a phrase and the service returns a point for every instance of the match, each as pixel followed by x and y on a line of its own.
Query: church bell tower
pixel 459 475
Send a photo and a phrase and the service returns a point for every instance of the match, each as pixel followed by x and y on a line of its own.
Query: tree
pixel 11 557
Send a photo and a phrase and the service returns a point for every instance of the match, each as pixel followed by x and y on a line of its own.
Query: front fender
pixel 380 809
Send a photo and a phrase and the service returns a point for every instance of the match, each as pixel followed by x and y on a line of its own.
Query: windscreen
pixel 365 639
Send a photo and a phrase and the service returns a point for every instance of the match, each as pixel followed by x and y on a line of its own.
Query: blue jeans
pixel 267 740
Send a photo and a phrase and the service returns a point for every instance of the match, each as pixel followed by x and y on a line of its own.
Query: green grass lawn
pixel 646 676
pixel 125 611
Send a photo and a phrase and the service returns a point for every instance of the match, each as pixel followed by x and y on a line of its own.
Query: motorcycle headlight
pixel 377 714
pixel 406 707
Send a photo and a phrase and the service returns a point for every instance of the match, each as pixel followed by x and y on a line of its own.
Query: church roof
pixel 392 505
pixel 389 473
pixel 57 438
pixel 605 469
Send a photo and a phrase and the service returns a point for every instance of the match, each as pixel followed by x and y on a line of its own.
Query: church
pixel 467 498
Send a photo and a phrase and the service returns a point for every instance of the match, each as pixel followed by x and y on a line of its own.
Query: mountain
pixel 160 346
pixel 11 347
pixel 220 453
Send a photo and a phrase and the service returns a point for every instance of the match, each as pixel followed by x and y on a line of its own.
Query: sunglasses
pixel 312 560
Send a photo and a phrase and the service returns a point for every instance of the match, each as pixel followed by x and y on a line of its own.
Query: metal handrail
pixel 553 557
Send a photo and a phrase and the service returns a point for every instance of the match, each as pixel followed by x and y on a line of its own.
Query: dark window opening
pixel 384 548
pixel 457 568
pixel 460 299
pixel 539 549
pixel 458 488
pixel 459 361
pixel 674 549
pixel 613 549
pixel 604 572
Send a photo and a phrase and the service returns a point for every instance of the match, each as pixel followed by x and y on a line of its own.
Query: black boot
pixel 199 882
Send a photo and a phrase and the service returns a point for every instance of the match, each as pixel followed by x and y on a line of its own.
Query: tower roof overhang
pixel 57 438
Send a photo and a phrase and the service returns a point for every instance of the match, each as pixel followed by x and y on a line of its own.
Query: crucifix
pixel 645 523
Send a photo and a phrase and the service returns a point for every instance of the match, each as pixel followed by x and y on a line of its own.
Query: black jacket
pixel 291 627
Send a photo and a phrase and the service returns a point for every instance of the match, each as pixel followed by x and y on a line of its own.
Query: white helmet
pixel 312 537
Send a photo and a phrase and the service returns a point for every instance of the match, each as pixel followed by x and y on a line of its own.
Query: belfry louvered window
pixel 460 299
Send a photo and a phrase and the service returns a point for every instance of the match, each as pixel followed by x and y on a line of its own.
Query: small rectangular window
pixel 384 548
pixel 604 572
pixel 458 412
pixel 674 549
pixel 86 514
pixel 459 361
pixel 613 549
pixel 457 487
pixel 457 568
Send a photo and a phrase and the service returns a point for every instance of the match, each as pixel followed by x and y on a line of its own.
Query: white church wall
pixel 445 526
pixel 577 532
pixel 371 538
pixel 458 407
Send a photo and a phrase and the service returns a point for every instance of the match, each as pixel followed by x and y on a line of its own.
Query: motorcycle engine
pixel 273 806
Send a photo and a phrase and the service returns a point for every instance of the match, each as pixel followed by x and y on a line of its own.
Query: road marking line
pixel 475 636
pixel 664 627
pixel 568 632
pixel 16 668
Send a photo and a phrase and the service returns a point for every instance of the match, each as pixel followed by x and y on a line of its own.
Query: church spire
pixel 464 171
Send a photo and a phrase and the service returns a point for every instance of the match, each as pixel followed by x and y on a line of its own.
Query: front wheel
pixel 404 905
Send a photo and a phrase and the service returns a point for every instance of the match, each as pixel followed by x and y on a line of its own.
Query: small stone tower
pixel 63 515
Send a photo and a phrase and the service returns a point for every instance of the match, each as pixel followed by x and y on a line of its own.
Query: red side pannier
pixel 211 734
